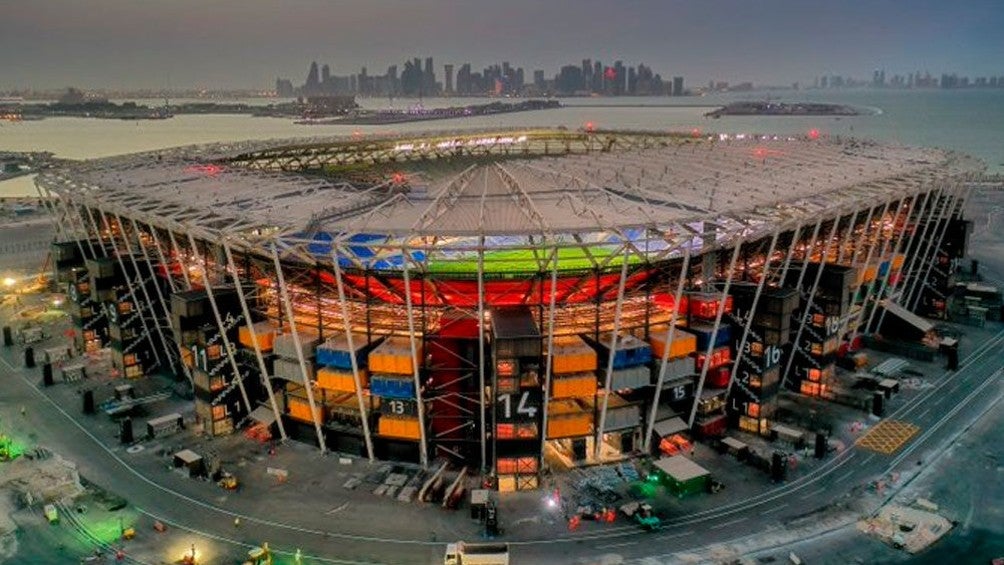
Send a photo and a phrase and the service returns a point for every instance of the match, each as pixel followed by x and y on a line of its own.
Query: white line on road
pixel 775 509
pixel 676 535
pixel 922 414
pixel 727 524
pixel 845 475
pixel 813 493
pixel 865 461
pixel 613 545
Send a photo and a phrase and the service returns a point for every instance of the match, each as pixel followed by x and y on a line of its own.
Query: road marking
pixel 678 535
pixel 845 475
pixel 727 524
pixel 339 509
pixel 613 545
pixel 775 509
pixel 922 414
pixel 813 493
pixel 864 462
pixel 888 436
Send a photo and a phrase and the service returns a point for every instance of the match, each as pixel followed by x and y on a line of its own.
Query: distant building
pixel 283 88
pixel 677 86
pixel 448 80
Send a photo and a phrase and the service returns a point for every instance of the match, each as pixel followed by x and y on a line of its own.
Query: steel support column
pixel 872 243
pixel 806 312
pixel 916 259
pixel 550 349
pixel 915 211
pixel 670 334
pixel 946 221
pixel 875 285
pixel 618 308
pixel 416 362
pixel 228 346
pixel 352 353
pixel 288 306
pixel 266 381
pixel 481 355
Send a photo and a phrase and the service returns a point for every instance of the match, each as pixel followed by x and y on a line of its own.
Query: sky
pixel 178 44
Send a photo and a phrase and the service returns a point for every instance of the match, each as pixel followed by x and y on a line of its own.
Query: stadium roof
pixel 460 190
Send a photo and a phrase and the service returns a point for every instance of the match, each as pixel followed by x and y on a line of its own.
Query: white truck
pixel 462 553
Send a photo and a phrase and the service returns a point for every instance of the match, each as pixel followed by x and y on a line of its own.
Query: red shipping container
pixel 719 378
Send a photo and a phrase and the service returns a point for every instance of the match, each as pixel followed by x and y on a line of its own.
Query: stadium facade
pixel 503 299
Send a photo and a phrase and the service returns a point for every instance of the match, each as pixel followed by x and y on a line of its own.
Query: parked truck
pixel 462 553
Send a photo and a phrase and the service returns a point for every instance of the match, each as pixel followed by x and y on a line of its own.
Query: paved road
pixel 939 411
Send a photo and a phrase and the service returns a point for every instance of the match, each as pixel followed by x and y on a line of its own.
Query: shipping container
pixel 392 386
pixel 334 352
pixel 683 344
pixel 719 357
pixel 265 333
pixel 718 378
pixel 289 369
pixel 570 354
pixel 621 414
pixel 705 332
pixel 340 380
pixel 399 427
pixel 574 385
pixel 630 378
pixel 712 426
pixel 677 368
pixel 629 351
pixel 393 356
pixel 568 418
pixel 704 305
pixel 515 333
pixel 285 345
pixel 299 409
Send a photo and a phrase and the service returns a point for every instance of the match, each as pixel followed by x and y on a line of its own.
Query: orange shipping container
pixel 683 343
pixel 340 381
pixel 572 355
pixel 265 333
pixel 393 356
pixel 403 428
pixel 299 409
pixel 581 385
pixel 568 418
pixel 897 261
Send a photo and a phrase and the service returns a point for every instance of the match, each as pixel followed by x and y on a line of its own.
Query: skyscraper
pixel 448 80
pixel 677 86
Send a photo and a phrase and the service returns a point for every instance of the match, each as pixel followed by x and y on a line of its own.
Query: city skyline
pixel 117 44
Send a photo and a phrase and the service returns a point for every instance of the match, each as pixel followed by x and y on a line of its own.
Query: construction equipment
pixel 51 514
pixel 228 481
pixel 642 514
pixel 259 556
pixel 462 553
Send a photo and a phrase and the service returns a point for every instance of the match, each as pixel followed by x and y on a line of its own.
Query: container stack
pixel 131 344
pixel 392 381
pixel 680 379
pixel 631 361
pixel 218 404
pixel 286 366
pixel 702 309
pixel 758 373
pixel 814 362
pixel 517 387
pixel 570 414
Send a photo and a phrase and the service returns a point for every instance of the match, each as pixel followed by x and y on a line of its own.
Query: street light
pixel 9 282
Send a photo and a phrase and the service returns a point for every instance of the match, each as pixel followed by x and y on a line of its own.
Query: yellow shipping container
pixel 568 418
pixel 897 261
pixel 684 343
pixel 340 381
pixel 265 333
pixel 299 409
pixel 867 275
pixel 187 357
pixel 393 356
pixel 572 355
pixel 397 427
pixel 581 385
pixel 507 483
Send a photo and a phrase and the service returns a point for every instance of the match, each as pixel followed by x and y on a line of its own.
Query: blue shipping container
pixel 704 332
pixel 337 358
pixel 389 387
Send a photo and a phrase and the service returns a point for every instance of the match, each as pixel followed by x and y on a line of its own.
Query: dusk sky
pixel 248 43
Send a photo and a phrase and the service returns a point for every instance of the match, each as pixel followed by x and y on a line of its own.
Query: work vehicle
pixel 51 514
pixel 642 514
pixel 462 553
pixel 259 556
pixel 228 481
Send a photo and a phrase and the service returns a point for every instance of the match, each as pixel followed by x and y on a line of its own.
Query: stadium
pixel 505 300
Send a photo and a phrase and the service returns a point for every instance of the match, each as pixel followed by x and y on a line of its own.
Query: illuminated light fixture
pixel 9 282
